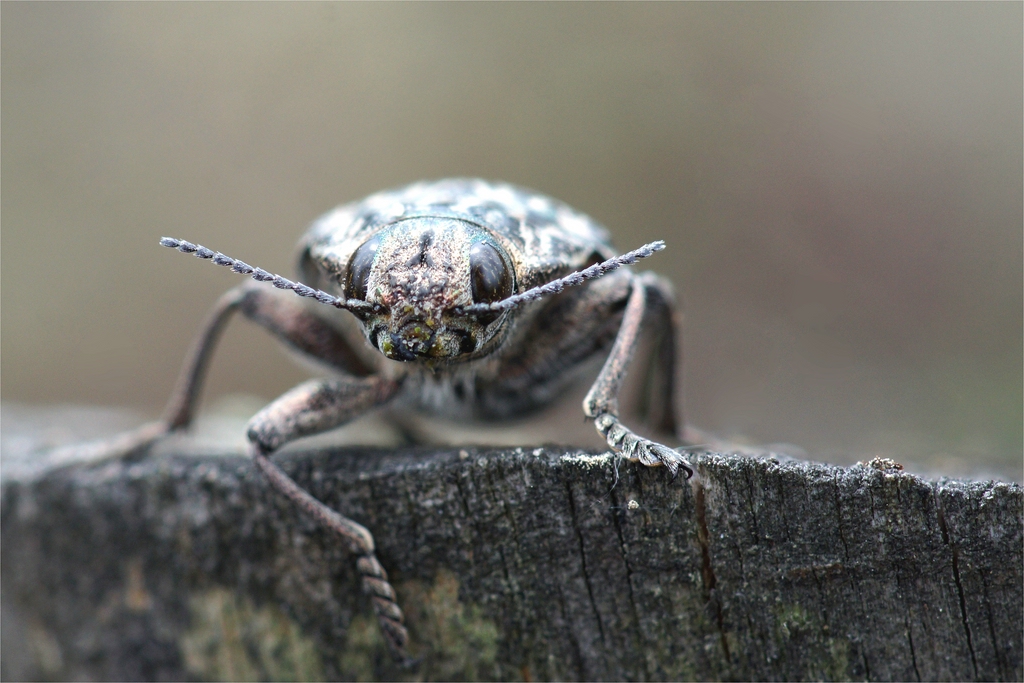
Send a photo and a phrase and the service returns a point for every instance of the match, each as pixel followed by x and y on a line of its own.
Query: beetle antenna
pixel 261 275
pixel 571 280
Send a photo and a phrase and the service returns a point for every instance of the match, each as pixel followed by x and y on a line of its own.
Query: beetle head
pixel 418 275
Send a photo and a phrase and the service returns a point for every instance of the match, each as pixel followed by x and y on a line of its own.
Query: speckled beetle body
pixel 461 297
pixel 538 240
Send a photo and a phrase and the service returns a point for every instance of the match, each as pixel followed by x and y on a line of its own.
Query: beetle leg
pixel 661 398
pixel 602 403
pixel 280 313
pixel 283 315
pixel 180 407
pixel 567 332
pixel 312 407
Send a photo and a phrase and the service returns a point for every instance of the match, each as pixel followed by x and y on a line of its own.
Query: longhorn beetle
pixel 467 298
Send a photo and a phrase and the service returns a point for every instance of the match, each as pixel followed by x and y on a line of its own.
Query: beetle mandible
pixel 468 298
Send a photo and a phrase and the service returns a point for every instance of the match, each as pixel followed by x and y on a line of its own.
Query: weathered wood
pixel 511 564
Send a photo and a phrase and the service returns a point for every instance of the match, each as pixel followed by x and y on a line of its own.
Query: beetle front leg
pixel 314 407
pixel 602 402
pixel 181 405
pixel 281 314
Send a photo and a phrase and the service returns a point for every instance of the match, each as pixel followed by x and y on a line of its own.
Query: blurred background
pixel 840 187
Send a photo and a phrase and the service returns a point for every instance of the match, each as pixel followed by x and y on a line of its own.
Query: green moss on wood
pixel 231 639
pixel 452 640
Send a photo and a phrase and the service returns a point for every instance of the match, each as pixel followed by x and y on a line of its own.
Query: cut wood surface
pixel 516 564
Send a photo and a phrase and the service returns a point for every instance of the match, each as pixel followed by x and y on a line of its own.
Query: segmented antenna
pixel 261 275
pixel 571 280
pixel 553 287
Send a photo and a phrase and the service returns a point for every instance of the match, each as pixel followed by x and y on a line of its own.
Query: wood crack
pixel 637 631
pixel 573 640
pixel 913 654
pixel 583 560
pixel 992 629
pixel 839 521
pixel 906 625
pixel 947 539
pixel 707 571
pixel 750 505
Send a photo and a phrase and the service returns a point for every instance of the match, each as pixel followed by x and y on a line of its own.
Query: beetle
pixel 465 298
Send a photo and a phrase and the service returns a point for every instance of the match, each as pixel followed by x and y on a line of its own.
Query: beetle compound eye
pixel 490 276
pixel 359 269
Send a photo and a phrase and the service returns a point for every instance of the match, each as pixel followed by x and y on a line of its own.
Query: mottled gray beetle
pixel 451 286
